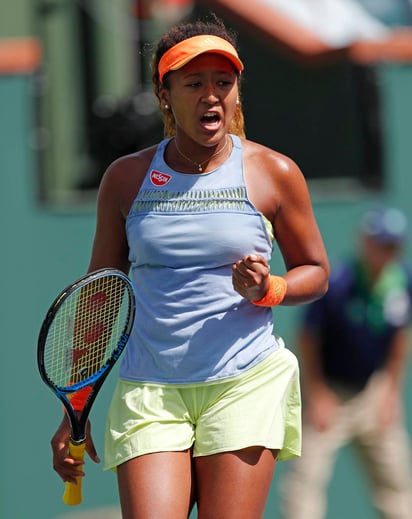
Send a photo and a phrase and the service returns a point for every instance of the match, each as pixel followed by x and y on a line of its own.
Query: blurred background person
pixel 353 349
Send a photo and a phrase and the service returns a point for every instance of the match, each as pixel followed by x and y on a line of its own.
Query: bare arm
pixel 110 243
pixel 281 194
pixel 109 250
pixel 118 188
pixel 298 238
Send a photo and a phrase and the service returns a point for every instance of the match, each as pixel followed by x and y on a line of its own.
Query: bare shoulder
pixel 268 160
pixel 123 178
pixel 271 177
pixel 256 151
pixel 133 165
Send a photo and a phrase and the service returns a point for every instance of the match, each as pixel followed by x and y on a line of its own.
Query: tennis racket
pixel 82 336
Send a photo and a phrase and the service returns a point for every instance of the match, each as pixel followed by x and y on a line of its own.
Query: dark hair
pixel 180 33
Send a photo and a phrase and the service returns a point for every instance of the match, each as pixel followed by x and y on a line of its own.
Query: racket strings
pixel 86 330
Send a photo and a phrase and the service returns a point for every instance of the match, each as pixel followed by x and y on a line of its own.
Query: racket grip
pixel 73 493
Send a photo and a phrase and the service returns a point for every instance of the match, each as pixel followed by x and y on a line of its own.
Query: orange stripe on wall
pixel 19 55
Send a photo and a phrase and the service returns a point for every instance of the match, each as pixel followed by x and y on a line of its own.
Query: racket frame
pixel 78 419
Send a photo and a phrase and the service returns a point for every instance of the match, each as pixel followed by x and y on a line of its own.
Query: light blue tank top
pixel 184 232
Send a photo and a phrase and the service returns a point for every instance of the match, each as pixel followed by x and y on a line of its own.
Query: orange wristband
pixel 275 294
pixel 78 399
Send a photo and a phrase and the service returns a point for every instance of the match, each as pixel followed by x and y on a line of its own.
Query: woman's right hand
pixel 67 467
pixel 250 277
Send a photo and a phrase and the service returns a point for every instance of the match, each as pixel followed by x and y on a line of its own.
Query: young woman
pixel 208 397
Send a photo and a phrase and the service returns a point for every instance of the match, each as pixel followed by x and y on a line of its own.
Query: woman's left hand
pixel 250 277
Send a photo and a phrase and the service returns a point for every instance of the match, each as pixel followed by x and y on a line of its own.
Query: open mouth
pixel 210 117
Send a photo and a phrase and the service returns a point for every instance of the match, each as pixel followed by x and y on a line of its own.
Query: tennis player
pixel 208 396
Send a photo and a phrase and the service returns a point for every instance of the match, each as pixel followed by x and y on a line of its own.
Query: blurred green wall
pixel 46 247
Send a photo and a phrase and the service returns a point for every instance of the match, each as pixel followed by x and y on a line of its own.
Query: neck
pixel 200 164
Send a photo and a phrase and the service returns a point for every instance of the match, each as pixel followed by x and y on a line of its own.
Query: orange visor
pixel 181 53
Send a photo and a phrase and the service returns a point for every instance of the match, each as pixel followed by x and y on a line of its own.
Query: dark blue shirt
pixel 356 323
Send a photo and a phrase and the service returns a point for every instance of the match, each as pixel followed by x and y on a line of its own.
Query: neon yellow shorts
pixel 259 407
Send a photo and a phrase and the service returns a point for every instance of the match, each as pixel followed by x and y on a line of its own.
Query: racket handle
pixel 73 493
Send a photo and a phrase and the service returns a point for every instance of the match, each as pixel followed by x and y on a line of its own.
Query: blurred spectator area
pixel 311 85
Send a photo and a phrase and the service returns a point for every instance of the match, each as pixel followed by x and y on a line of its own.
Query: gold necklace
pixel 199 165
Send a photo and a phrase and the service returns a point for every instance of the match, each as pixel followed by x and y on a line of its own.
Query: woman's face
pixel 202 96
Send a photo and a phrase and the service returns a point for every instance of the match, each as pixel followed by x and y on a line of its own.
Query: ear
pixel 164 97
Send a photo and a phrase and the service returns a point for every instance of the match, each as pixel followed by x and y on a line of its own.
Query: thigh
pixel 234 485
pixel 156 486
